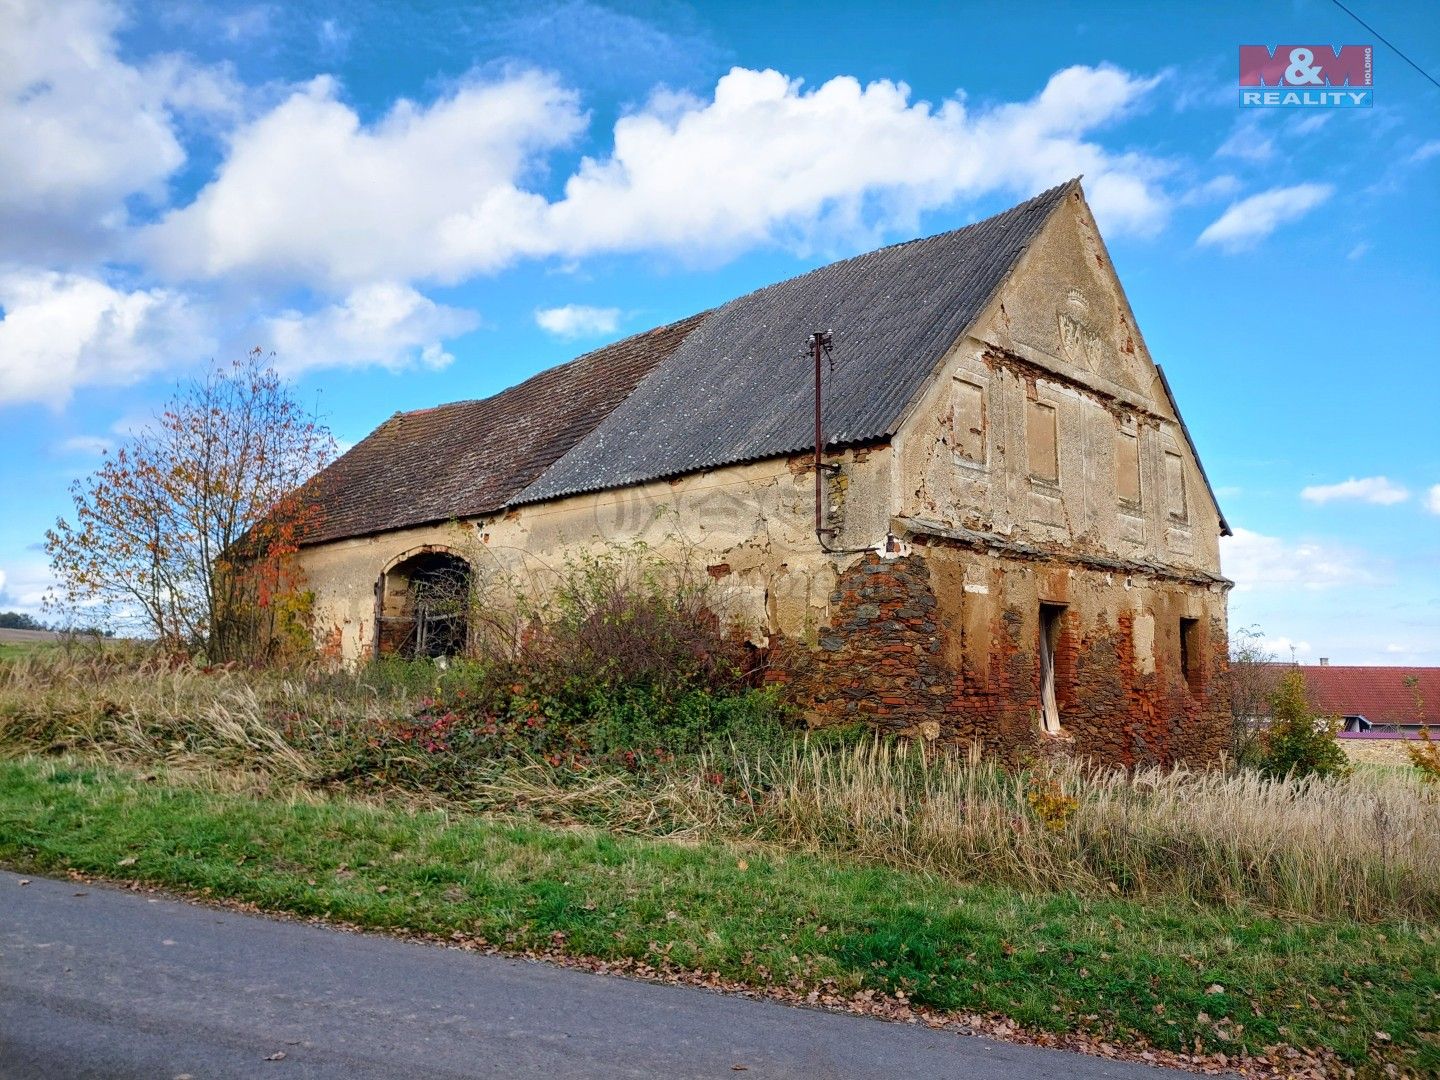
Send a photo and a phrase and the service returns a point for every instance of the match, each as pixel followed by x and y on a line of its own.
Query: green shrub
pixel 1299 743
pixel 642 719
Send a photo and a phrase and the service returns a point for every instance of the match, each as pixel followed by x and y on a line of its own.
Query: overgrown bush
pixel 1298 743
pixel 623 616
pixel 617 655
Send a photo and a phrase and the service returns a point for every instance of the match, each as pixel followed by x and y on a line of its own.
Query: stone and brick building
pixel 1017 540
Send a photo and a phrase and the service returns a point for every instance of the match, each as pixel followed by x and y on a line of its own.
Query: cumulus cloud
pixel 103 282
pixel 24 586
pixel 1254 561
pixel 387 324
pixel 81 130
pixel 61 331
pixel 1378 490
pixel 309 193
pixel 1432 499
pixel 1247 222
pixel 578 320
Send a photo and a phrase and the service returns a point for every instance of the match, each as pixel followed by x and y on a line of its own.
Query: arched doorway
pixel 424 605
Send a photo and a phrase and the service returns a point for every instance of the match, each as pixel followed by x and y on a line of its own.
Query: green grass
pixel 13 650
pixel 1115 968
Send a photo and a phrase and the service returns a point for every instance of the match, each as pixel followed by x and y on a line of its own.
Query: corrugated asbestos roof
pixel 741 386
pixel 472 457
pixel 730 385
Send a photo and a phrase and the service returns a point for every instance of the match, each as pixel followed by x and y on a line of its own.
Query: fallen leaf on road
pixel 24 881
pixel 739 1068
pixel 278 1055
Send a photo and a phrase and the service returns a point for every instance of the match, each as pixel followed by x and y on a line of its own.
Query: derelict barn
pixel 1011 537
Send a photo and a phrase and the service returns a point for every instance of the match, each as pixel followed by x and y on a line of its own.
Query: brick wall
pixel 947 641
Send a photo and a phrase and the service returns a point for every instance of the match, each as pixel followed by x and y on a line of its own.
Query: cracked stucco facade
pixel 1044 463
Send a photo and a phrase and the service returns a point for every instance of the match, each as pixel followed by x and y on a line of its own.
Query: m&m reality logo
pixel 1306 76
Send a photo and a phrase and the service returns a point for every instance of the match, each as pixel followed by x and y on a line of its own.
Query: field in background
pixel 1378 752
pixel 17 643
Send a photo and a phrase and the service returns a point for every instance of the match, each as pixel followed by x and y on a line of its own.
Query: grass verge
pixel 1177 977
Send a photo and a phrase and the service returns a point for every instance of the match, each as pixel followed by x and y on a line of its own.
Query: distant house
pixel 1398 700
pixel 1005 533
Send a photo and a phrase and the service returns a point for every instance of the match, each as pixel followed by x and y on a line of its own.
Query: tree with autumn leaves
pixel 190 528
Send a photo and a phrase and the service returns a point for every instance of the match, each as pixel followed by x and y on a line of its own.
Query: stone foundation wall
pixel 945 642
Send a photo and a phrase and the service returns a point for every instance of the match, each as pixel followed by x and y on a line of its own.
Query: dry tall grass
pixel 1366 846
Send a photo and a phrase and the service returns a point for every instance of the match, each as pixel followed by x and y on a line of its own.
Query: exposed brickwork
pixel 899 656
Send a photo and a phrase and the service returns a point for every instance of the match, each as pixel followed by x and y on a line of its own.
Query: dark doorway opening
pixel 1190 652
pixel 1050 616
pixel 425 606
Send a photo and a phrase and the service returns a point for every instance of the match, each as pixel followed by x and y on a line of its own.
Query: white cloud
pixel 1378 490
pixel 1249 221
pixel 578 320
pixel 1254 561
pixel 310 200
pixel 1432 499
pixel 80 129
pixel 766 159
pixel 1359 250
pixel 308 193
pixel 1311 123
pixel 86 445
pixel 61 331
pixel 387 324
pixel 1426 151
pixel 24 586
pixel 1248 143
pixel 1283 648
pixel 1218 187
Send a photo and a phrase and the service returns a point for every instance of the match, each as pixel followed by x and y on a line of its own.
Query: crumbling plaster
pixel 1100 382
pixel 752 523
pixel 943 629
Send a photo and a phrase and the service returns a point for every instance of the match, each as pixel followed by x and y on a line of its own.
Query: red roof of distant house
pixel 1380 694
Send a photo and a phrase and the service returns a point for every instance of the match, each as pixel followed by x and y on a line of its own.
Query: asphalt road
pixel 97 982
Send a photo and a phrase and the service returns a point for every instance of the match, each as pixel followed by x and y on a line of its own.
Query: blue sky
pixel 419 203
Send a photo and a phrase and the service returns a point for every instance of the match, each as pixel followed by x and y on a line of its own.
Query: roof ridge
pixel 723 396
pixel 1025 205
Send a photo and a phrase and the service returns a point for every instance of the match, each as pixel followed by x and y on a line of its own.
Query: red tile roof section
pixel 469 458
pixel 1377 693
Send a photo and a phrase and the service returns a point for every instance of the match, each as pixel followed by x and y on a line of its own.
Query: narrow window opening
pixel 1050 615
pixel 1190 652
